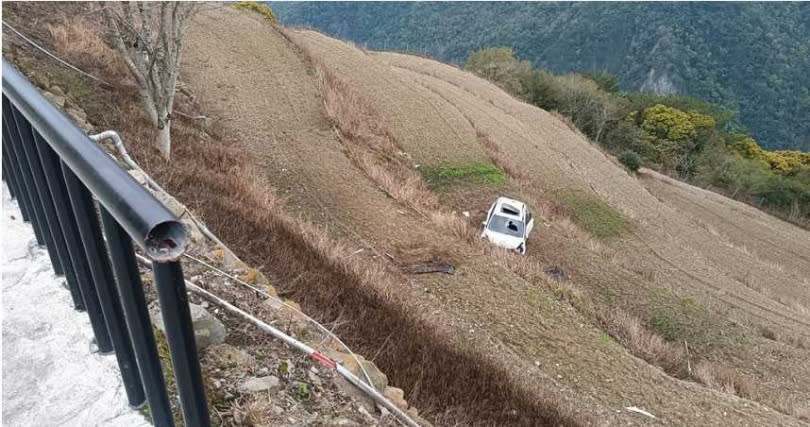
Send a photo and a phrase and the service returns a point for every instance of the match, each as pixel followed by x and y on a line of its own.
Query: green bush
pixel 631 160
pixel 501 66
pixel 689 139
pixel 260 8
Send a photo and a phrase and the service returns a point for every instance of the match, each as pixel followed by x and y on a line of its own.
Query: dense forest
pixel 751 59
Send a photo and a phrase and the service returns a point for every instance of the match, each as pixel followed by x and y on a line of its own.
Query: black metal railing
pixel 87 212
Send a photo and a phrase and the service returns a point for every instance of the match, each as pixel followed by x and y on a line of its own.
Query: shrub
pixel 631 160
pixel 260 8
pixel 501 66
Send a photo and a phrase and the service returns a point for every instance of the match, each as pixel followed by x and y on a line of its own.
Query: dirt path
pixel 249 76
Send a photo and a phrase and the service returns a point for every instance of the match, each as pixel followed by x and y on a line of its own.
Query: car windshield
pixel 504 225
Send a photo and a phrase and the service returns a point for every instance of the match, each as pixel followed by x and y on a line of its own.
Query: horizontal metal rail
pixel 88 212
pixel 151 225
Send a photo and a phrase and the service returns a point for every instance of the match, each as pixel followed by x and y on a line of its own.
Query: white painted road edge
pixel 49 376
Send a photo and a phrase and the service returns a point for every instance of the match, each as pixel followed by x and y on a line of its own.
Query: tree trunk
pixel 163 141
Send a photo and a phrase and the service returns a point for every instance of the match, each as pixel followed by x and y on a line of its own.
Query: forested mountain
pixel 753 58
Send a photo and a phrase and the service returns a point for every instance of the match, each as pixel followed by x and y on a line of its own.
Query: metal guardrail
pixel 55 172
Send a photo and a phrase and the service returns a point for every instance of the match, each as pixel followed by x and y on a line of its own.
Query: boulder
pixel 397 397
pixel 56 100
pixel 56 90
pixel 208 330
pixel 378 378
pixel 138 175
pixel 259 384
pixel 41 79
pixel 171 203
pixel 226 356
pixel 76 113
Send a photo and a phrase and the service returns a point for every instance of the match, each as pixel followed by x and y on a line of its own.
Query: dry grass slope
pixel 217 179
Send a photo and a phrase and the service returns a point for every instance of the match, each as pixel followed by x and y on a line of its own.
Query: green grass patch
pixel 441 176
pixel 678 319
pixel 599 218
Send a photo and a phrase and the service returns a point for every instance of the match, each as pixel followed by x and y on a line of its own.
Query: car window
pixel 510 210
pixel 489 215
pixel 504 225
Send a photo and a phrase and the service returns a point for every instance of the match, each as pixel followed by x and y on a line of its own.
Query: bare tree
pixel 149 38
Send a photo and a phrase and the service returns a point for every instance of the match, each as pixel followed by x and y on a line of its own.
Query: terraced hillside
pixel 493 344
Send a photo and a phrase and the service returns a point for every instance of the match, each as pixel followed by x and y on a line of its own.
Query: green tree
pixel 631 160
pixel 501 66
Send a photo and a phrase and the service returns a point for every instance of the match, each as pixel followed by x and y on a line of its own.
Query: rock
pixel 314 379
pixel 171 203
pixel 77 114
pixel 139 176
pixel 208 330
pixel 42 79
pixel 56 100
pixel 397 397
pixel 193 231
pixel 288 313
pixel 378 378
pixel 343 422
pixel 255 385
pixel 56 90
pixel 249 276
pixel 227 356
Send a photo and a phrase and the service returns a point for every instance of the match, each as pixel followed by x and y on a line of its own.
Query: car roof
pixel 509 203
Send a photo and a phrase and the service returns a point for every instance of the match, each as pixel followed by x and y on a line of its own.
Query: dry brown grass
pixel 724 379
pixel 215 180
pixel 81 43
pixel 645 344
pixel 792 405
pixel 372 147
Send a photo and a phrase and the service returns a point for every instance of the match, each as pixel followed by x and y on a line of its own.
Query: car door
pixel 529 223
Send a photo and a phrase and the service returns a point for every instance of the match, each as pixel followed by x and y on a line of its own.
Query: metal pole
pixel 149 223
pixel 171 288
pixel 136 314
pixel 39 197
pixel 87 221
pixel 11 181
pixel 48 168
pixel 25 190
pixel 12 190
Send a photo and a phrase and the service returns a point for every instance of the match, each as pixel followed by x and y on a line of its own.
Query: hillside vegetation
pixel 679 135
pixel 752 58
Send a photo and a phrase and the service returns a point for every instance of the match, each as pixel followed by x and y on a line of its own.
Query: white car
pixel 508 224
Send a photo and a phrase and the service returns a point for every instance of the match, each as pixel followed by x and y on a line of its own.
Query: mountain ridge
pixel 751 58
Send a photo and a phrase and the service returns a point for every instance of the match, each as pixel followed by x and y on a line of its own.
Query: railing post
pixel 10 165
pixel 12 190
pixel 174 308
pixel 45 163
pixel 87 221
pixel 41 200
pixel 27 192
pixel 22 192
pixel 136 314
pixel 11 181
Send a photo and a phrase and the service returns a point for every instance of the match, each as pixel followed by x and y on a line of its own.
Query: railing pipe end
pixel 166 241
